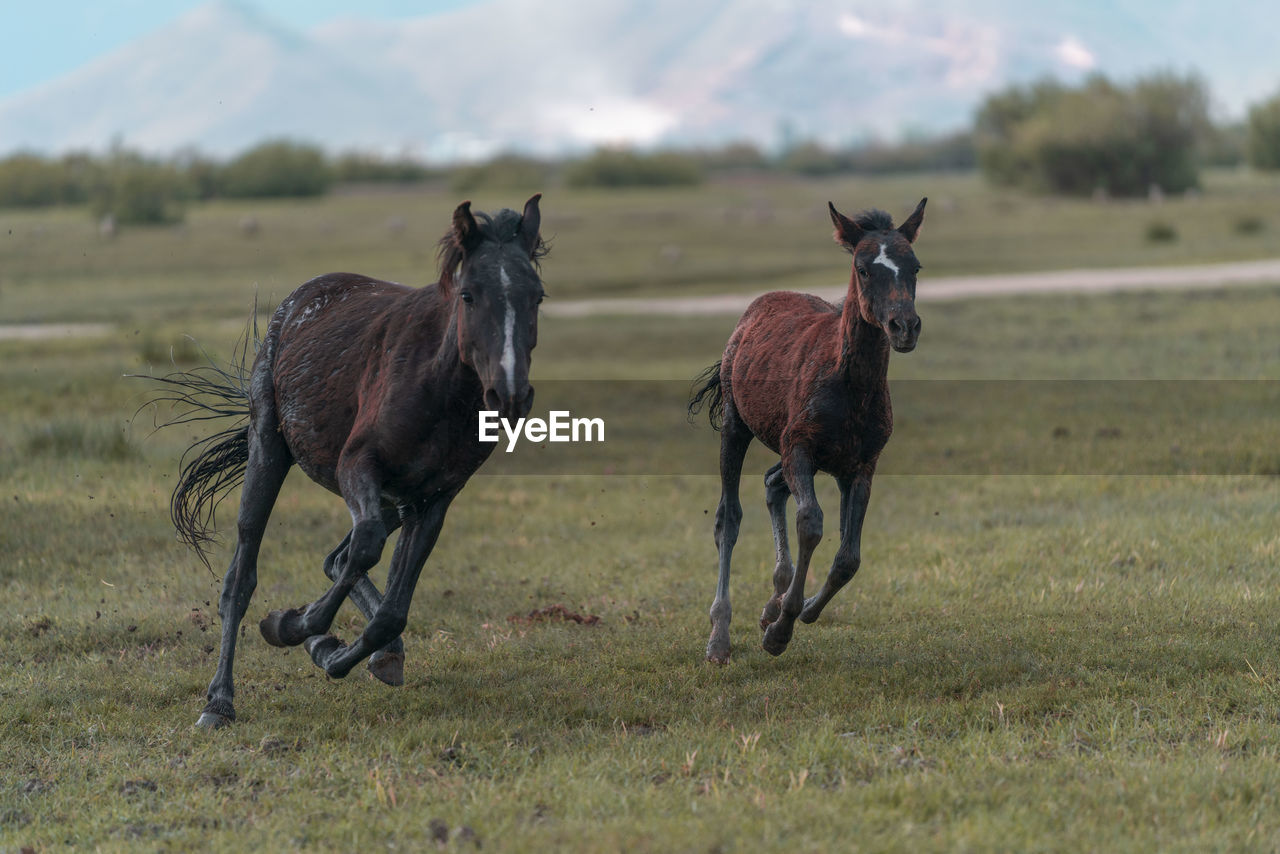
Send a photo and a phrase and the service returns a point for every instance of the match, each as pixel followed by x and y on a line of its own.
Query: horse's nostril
pixel 898 326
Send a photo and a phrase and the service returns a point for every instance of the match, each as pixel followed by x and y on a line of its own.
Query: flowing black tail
pixel 709 394
pixel 207 393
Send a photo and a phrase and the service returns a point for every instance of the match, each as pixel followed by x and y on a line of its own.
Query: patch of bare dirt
pixel 553 614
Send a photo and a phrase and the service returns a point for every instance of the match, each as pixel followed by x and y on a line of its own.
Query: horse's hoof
pixel 210 720
pixel 810 614
pixel 216 714
pixel 718 644
pixel 283 628
pixel 769 615
pixel 321 648
pixel 776 638
pixel 387 667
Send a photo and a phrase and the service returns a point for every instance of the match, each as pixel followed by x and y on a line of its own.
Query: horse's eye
pixel 541 297
pixel 862 272
pixel 467 297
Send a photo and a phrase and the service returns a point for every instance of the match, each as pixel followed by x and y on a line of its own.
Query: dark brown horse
pixel 374 390
pixel 808 379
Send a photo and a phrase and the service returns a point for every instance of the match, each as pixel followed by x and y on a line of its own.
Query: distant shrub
pixel 1100 136
pixel 277 169
pixel 734 157
pixel 1248 224
pixel 1263 140
pixel 813 158
pixel 927 154
pixel 1161 232
pixel 1226 145
pixel 137 191
pixel 507 171
pixel 204 175
pixel 625 168
pixel 952 152
pixel 359 167
pixel 29 180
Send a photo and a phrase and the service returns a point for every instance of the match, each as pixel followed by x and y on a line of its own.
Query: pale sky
pixel 44 39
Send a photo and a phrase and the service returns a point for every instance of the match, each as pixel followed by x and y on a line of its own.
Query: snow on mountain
pixel 547 77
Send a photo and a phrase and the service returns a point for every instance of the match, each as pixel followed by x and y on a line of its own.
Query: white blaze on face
pixel 508 334
pixel 884 260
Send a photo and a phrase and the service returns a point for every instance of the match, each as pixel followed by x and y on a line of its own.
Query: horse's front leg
pixel 387 664
pixel 854 497
pixel 776 493
pixel 421 530
pixel 798 469
pixel 363 550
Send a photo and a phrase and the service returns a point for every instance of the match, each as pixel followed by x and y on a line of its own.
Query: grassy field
pixel 1025 662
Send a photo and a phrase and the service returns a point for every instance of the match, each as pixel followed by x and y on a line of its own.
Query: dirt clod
pixel 554 613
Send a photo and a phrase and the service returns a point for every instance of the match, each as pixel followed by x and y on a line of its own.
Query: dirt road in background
pixel 935 289
pixel 930 289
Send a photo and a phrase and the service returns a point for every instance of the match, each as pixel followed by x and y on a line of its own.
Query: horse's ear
pixel 455 245
pixel 847 232
pixel 465 229
pixel 530 222
pixel 910 229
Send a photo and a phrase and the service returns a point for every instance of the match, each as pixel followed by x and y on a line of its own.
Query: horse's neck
pixel 864 347
pixel 443 368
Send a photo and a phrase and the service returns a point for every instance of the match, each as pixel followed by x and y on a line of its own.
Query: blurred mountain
pixel 549 77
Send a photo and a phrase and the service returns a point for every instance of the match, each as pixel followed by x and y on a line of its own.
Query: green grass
pixel 1023 663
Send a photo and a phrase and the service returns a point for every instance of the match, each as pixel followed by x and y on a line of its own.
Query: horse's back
pixel 780 329
pixel 325 343
pixel 334 300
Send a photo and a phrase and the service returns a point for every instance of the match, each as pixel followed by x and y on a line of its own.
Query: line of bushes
pixel 1100 136
pixel 134 188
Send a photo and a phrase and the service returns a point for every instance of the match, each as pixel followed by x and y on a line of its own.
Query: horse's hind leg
pixel 735 438
pixel 269 462
pixel 799 470
pixel 387 664
pixel 854 497
pixel 776 493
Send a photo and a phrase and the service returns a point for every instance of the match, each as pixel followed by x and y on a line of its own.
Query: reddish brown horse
pixel 808 379
pixel 374 390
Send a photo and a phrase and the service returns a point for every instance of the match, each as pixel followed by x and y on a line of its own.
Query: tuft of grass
pixel 1249 224
pixel 157 349
pixel 79 438
pixel 1161 232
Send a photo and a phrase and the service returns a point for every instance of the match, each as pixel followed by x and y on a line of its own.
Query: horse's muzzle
pixel 509 407
pixel 903 332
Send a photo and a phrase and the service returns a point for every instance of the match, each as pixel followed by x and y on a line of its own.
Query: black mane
pixel 873 219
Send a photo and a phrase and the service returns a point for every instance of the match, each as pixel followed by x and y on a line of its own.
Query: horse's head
pixel 489 265
pixel 885 270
